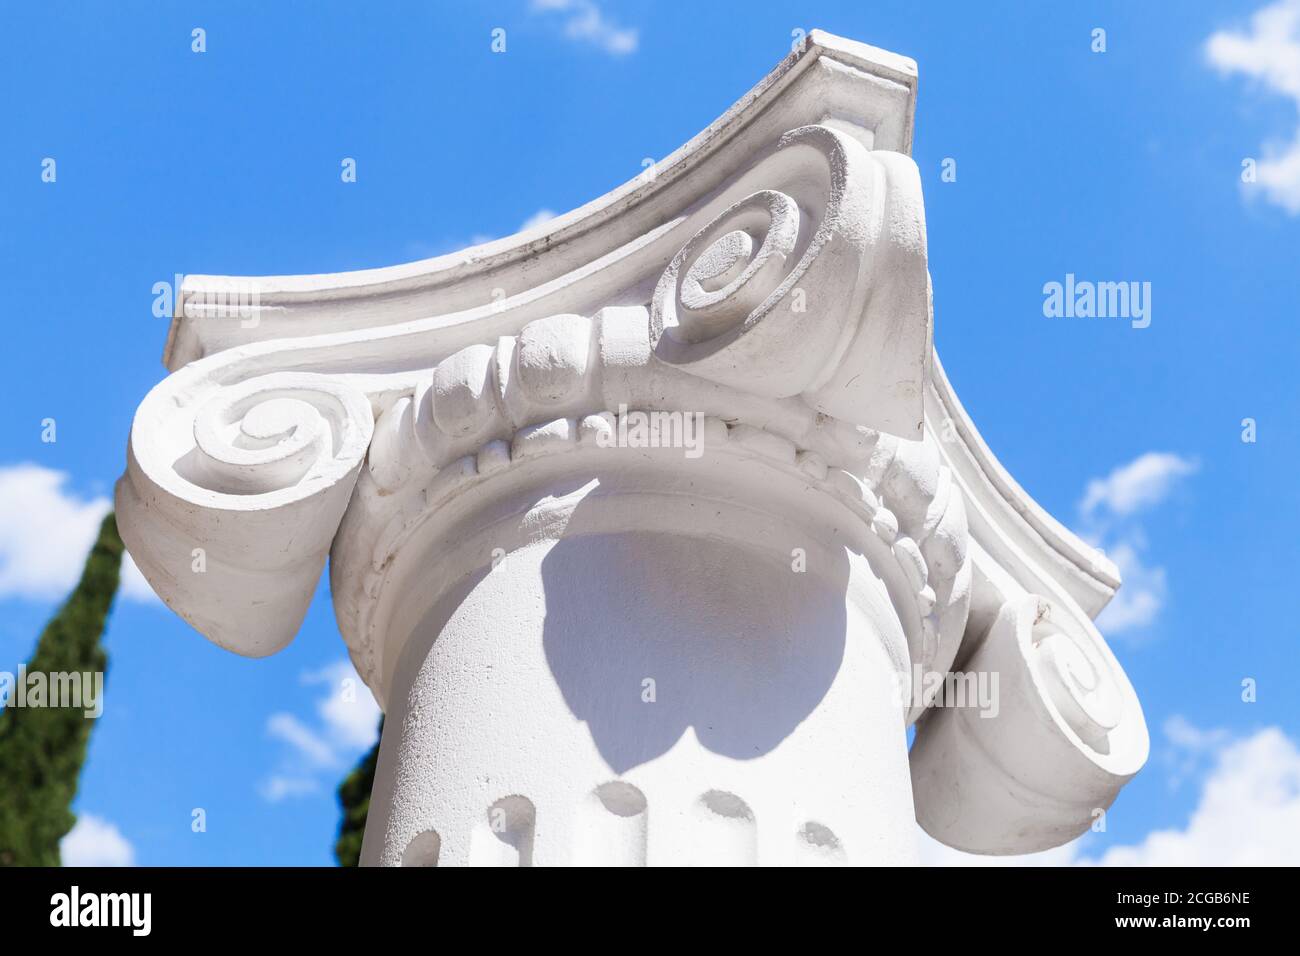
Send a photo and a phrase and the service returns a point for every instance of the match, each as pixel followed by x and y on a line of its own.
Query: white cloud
pixel 46 531
pixel 277 788
pixel 1184 735
pixel 1138 602
pixel 349 711
pixel 428 250
pixel 95 842
pixel 1141 483
pixel 584 21
pixel 306 742
pixel 345 725
pixel 1189 748
pixel 1270 54
pixel 1248 813
pixel 539 218
pixel 1108 512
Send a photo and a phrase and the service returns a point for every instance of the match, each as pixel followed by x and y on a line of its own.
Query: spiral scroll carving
pixel 813 284
pixel 760 296
pixel 1079 681
pixel 238 489
pixel 267 435
pixel 722 278
pixel 1063 735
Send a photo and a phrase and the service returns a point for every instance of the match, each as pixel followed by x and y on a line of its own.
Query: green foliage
pixel 354 795
pixel 42 748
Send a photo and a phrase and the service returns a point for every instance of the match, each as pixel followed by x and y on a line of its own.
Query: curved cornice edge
pixel 828 79
pixel 1089 577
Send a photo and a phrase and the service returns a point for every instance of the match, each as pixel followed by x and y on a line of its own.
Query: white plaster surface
pixel 681 663
pixel 510 562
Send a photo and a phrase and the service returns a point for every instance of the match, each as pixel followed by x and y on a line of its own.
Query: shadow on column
pixel 647 634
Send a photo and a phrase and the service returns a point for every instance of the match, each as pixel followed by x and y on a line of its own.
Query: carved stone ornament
pixel 653 528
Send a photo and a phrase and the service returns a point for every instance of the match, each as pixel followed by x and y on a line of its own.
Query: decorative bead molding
pixel 863 361
pixel 926 532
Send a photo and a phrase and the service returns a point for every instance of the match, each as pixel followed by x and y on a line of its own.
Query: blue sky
pixel 1122 165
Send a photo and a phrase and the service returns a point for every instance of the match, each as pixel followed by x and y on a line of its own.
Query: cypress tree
pixel 42 748
pixel 354 795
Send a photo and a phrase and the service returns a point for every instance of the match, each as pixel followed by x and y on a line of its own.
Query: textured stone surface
pixel 644 526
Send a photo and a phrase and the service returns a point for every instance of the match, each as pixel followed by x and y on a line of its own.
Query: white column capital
pixel 758 303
